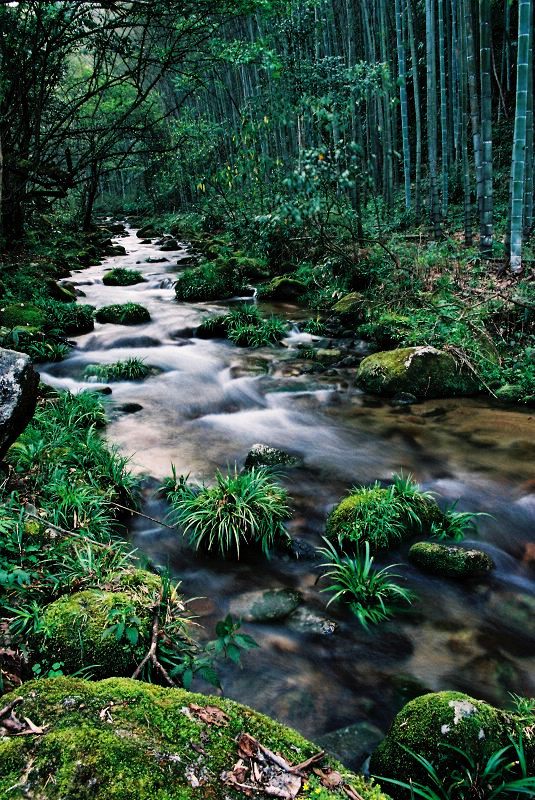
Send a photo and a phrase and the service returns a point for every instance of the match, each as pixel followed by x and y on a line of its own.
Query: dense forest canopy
pixel 279 111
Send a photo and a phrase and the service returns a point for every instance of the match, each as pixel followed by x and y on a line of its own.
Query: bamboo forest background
pixel 409 107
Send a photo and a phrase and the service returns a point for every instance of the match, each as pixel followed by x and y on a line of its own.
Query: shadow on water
pixel 211 401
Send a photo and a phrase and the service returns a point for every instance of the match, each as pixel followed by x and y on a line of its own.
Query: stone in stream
pixel 268 605
pixel 307 620
pixel 449 561
pixel 352 745
pixel 148 232
pixel 170 244
pixel 402 399
pixel 130 408
pixel 422 371
pixel 262 455
pixel 18 395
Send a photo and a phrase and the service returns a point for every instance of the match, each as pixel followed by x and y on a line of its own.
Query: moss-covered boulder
pixel 422 371
pixel 22 315
pixel 382 517
pixel 350 305
pixel 122 277
pixel 126 314
pixel 450 561
pixel 75 631
pixel 70 319
pixel 428 723
pixel 285 288
pixel 121 739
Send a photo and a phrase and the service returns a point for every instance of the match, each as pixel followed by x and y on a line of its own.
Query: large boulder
pixel 422 371
pixel 285 289
pixel 450 561
pixel 121 739
pixel 269 605
pixel 18 396
pixel 430 726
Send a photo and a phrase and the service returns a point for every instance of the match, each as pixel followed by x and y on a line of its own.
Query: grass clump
pixel 122 277
pixel 131 369
pixel 213 280
pixel 372 595
pixel 242 510
pixel 69 319
pixel 125 314
pixel 246 327
pixel 385 516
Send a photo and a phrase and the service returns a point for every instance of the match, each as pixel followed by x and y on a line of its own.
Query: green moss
pixel 139 583
pixel 350 305
pixel 22 315
pixel 285 288
pixel 422 371
pixel 449 561
pixel 126 314
pixel 427 723
pixel 381 517
pixel 121 739
pixel 122 277
pixel 73 629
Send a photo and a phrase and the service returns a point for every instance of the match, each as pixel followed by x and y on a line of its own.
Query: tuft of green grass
pixel 122 277
pixel 132 369
pixel 372 595
pixel 210 281
pixel 246 327
pixel 125 314
pixel 241 510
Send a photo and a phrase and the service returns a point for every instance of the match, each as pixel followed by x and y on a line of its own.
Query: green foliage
pixel 125 314
pixel 246 327
pixel 69 319
pixel 503 775
pixel 212 280
pixel 372 595
pixel 242 510
pixel 122 277
pixel 132 369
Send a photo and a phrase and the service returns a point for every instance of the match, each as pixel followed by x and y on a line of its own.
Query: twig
pixel 151 653
pixel 354 795
pixel 69 533
pixel 10 706
pixel 309 761
pixel 145 516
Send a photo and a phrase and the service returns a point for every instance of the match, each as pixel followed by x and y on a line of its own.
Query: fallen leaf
pixel 247 746
pixel 212 715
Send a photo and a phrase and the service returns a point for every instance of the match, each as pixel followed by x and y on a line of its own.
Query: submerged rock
pixel 18 396
pixel 450 561
pixel 352 745
pixel 422 371
pixel 262 455
pixel 125 739
pixel 307 620
pixel 265 606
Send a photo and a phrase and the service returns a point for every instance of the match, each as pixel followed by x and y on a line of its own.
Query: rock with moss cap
pixel 121 739
pixel 429 726
pixel 22 315
pixel 74 631
pixel 126 314
pixel 122 277
pixel 422 371
pixel 262 455
pixel 285 288
pixel 450 561
pixel 350 305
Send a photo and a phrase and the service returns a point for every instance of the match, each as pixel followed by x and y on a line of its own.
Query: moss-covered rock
pixel 428 723
pixel 381 517
pixel 262 455
pixel 74 626
pixel 122 277
pixel 285 288
pixel 70 319
pixel 22 315
pixel 139 583
pixel 350 305
pixel 450 561
pixel 423 371
pixel 126 314
pixel 121 739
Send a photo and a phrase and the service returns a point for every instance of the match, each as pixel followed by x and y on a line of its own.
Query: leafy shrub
pixel 372 595
pixel 242 510
pixel 125 314
pixel 122 277
pixel 132 369
pixel 213 280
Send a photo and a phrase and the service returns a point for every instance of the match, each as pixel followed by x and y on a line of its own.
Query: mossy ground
pixel 121 739
pixel 126 314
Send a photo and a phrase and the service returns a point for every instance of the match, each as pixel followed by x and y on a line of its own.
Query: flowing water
pixel 211 401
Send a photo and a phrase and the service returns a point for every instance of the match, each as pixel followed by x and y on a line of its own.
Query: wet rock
pixel 265 606
pixel 329 355
pixel 450 561
pixel 284 288
pixel 262 455
pixel 350 361
pixel 18 396
pixel 114 250
pixel 496 677
pixel 514 612
pixel 422 371
pixel 402 399
pixel 352 745
pixel 350 305
pixel 136 341
pixel 170 244
pixel 130 408
pixel 64 292
pixel 148 232
pixel 156 260
pixel 306 620
pixel 302 550
pixel 146 241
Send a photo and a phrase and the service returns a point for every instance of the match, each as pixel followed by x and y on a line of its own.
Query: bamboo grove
pixel 423 104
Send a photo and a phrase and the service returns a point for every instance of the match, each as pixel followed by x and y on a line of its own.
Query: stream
pixel 211 401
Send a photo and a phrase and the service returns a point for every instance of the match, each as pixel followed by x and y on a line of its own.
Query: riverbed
pixel 210 401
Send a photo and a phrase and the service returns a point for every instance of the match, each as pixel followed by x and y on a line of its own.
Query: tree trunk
pixel 402 73
pixel 486 211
